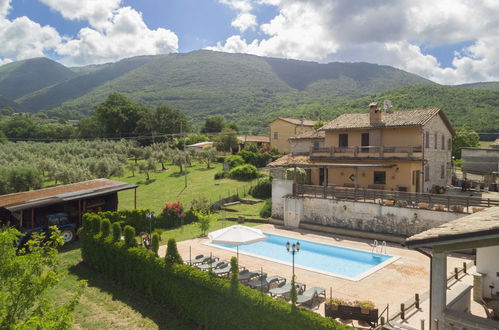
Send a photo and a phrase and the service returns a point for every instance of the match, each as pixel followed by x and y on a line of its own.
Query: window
pixel 443 142
pixel 276 135
pixel 427 173
pixel 427 138
pixel 436 140
pixel 449 144
pixel 343 140
pixel 442 171
pixel 379 177
pixel 316 145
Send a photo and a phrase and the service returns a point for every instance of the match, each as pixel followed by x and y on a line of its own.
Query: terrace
pixel 367 152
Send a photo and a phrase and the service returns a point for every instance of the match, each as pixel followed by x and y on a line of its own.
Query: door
pixel 417 180
pixel 364 141
pixel 321 176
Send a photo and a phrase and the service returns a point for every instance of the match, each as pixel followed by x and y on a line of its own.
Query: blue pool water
pixel 327 258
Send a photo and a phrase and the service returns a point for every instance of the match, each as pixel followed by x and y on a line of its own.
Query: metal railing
pixel 365 151
pixel 446 203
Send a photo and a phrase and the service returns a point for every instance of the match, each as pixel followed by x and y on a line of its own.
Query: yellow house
pixel 281 129
pixel 405 150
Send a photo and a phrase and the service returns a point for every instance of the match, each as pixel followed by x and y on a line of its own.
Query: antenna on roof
pixel 387 104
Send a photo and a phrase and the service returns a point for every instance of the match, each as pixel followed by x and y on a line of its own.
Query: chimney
pixel 374 114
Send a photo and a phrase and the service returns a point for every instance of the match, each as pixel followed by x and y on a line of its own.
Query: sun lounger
pixel 285 289
pixel 214 264
pixel 309 295
pixel 199 259
pixel 224 270
pixel 264 282
pixel 247 275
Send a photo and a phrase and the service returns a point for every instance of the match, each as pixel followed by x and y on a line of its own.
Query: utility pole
pixel 185 159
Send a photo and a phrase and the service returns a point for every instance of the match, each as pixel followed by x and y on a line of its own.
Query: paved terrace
pixel 394 284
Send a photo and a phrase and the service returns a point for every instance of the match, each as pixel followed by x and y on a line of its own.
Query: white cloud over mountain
pixel 114 32
pixel 391 32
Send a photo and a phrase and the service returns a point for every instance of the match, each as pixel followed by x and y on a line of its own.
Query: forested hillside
pixel 492 85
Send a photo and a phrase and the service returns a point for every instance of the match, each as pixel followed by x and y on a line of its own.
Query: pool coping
pixel 357 278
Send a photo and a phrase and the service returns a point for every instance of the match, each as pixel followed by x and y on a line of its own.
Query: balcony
pixel 367 152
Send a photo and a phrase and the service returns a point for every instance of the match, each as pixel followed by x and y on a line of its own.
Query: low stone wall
pixel 362 216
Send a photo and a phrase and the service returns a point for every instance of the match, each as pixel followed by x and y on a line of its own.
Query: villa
pixel 281 129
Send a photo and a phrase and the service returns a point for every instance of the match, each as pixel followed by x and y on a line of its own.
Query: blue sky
pixel 446 43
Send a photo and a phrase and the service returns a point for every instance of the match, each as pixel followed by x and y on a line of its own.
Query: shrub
pixel 262 189
pixel 293 293
pixel 256 159
pixel 96 224
pixel 220 159
pixel 172 256
pixel 243 172
pixel 117 232
pixel 130 240
pixel 234 271
pixel 266 210
pixel 155 243
pixel 172 214
pixel 105 227
pixel 234 161
pixel 200 204
pixel 204 222
pixel 221 175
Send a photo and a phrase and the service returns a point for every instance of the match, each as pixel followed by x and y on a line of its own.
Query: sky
pixel 447 41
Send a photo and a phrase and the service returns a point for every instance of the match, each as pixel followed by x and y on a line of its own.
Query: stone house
pixel 404 150
pixel 281 129
pixel 304 142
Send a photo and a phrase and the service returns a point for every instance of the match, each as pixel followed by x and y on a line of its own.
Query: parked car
pixel 61 221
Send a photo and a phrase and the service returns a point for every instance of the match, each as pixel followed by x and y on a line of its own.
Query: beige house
pixel 303 143
pixel 281 129
pixel 405 150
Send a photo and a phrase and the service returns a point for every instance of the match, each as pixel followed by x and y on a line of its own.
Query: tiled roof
pixel 59 193
pixel 399 118
pixel 309 135
pixel 299 121
pixel 290 160
pixel 262 139
pixel 485 222
pixel 495 144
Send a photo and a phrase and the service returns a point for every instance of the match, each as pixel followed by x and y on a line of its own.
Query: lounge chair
pixel 199 259
pixel 284 289
pixel 211 264
pixel 309 295
pixel 246 275
pixel 264 282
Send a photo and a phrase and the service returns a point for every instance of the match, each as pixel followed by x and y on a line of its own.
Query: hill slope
pixel 492 85
pixel 23 77
pixel 203 83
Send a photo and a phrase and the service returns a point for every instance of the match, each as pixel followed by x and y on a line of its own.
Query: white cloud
pixel 383 31
pixel 4 7
pixel 244 21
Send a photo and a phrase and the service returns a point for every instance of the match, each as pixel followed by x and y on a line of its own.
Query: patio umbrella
pixel 237 235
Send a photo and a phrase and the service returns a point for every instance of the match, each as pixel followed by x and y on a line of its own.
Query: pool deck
pixel 393 284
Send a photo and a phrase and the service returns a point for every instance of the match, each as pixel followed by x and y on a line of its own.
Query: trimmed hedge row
pixel 193 295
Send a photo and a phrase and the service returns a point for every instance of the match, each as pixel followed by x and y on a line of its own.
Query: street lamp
pixel 150 216
pixel 293 249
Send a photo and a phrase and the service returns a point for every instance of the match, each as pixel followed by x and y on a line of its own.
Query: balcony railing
pixel 367 151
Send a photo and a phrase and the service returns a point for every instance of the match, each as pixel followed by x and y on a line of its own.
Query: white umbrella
pixel 237 235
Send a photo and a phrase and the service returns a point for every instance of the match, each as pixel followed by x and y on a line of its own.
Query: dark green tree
pixel 227 140
pixel 162 120
pixel 172 256
pixel 465 137
pixel 213 124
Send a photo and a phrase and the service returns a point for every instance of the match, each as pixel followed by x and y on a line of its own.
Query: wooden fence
pixel 448 203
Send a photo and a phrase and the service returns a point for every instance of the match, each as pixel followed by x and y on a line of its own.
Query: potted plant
pixel 439 207
pixel 333 305
pixel 423 205
pixel 365 306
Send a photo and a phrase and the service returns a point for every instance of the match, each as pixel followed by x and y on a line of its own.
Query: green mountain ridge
pixel 489 85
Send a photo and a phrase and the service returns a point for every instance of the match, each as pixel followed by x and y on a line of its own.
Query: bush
pixel 221 175
pixel 266 210
pixel 155 243
pixel 256 159
pixel 130 240
pixel 262 189
pixel 195 295
pixel 117 232
pixel 234 161
pixel 205 220
pixel 105 227
pixel 200 204
pixel 234 271
pixel 172 215
pixel 220 159
pixel 172 256
pixel 243 172
pixel 96 224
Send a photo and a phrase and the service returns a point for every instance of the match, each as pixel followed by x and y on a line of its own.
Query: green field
pixel 485 144
pixel 106 305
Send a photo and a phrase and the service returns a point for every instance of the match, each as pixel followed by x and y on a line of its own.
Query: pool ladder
pixel 378 248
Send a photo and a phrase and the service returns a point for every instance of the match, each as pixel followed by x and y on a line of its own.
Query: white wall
pixel 280 188
pixel 487 263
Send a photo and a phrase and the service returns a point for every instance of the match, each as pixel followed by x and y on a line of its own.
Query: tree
pixel 465 137
pixel 179 158
pixel 172 256
pixel 227 140
pixel 204 222
pixel 163 120
pixel 26 278
pixel 118 115
pixel 206 156
pixel 146 167
pixel 132 167
pixel 213 124
pixel 232 125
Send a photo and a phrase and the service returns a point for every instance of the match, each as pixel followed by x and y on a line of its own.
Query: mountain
pixel 23 77
pixel 478 109
pixel 55 95
pixel 8 104
pixel 203 83
pixel 492 85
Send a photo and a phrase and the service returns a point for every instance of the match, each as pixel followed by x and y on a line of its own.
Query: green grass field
pixel 485 144
pixel 106 305
pixel 169 186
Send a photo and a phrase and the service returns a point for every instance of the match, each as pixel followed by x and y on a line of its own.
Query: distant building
pixel 281 129
pixel 303 143
pixel 405 150
pixel 200 145
pixel 481 161
pixel 262 142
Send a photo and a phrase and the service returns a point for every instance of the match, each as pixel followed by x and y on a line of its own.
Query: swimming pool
pixel 328 259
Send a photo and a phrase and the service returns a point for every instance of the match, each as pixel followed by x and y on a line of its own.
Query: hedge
pixel 193 295
pixel 262 189
pixel 243 172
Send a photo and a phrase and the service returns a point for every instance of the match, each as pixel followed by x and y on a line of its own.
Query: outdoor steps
pixel 232 203
pixel 250 201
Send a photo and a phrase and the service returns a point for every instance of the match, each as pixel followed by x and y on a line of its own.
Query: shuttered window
pixel 343 140
pixel 379 177
pixel 427 138
pixel 449 144
pixel 436 140
pixel 442 172
pixel 427 173
pixel 443 142
pixel 276 135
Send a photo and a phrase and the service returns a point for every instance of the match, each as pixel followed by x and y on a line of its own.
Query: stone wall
pixel 363 216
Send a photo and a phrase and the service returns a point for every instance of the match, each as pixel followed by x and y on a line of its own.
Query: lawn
pixel 169 186
pixel 485 144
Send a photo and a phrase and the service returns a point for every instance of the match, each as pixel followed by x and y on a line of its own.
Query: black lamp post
pixel 293 249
